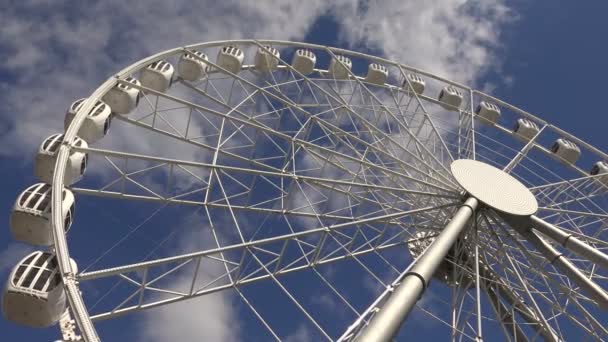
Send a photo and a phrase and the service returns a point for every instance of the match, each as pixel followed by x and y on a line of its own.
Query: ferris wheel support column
pixel 556 258
pixel 385 325
pixel 570 242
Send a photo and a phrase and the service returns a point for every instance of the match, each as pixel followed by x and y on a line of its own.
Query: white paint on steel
pixel 494 187
pixel 69 274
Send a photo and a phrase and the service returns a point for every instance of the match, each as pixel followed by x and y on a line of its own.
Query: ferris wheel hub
pixel 494 187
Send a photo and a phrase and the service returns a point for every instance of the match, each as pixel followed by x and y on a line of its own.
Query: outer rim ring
pixel 60 243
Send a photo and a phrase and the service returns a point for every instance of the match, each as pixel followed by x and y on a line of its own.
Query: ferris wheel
pixel 353 197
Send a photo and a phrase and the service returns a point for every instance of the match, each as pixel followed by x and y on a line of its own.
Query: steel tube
pixel 556 258
pixel 493 283
pixel 505 316
pixel 570 242
pixel 385 325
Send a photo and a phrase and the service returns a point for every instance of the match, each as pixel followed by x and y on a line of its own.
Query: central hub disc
pixel 494 187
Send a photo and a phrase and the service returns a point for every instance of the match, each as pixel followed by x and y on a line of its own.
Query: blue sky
pixel 545 57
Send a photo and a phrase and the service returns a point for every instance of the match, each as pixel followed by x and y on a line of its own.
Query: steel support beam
pixel 493 283
pixel 570 242
pixel 385 325
pixel 556 258
pixel 505 316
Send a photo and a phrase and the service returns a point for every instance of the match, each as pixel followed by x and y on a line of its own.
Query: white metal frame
pixel 427 174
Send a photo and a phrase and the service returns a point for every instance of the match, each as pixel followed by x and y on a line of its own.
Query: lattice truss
pixel 307 188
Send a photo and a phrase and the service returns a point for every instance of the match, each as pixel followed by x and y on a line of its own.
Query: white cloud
pixel 71 51
pixel 453 39
pixel 207 318
pixel 11 255
pixel 62 59
pixel 302 334
pixel 52 62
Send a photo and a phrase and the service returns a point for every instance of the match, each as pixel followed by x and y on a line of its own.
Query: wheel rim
pixel 395 170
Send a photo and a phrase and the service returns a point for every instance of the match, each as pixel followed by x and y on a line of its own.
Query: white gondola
pixel 96 124
pixel 525 129
pixel 47 155
pixel 123 98
pixel 191 68
pixel 450 97
pixel 376 74
pixel 304 61
pixel 34 295
pixel 267 60
pixel 600 168
pixel 417 83
pixel 231 58
pixel 31 216
pixel 340 67
pixel 566 150
pixel 487 112
pixel 157 76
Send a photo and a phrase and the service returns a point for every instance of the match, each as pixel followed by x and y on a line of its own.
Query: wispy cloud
pixel 302 334
pixel 52 62
pixel 11 255
pixel 454 39
pixel 208 318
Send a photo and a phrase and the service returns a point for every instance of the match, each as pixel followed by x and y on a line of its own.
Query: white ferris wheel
pixel 313 174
